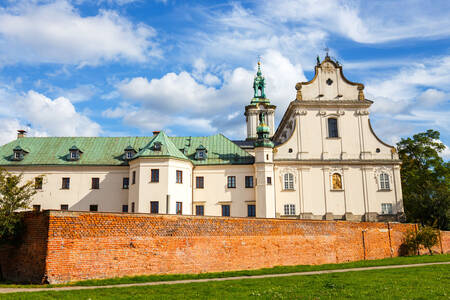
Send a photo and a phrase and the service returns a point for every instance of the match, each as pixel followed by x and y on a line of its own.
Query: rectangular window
pixel 231 182
pixel 199 210
pixel 65 183
pixel 386 208
pixel 384 182
pixel 95 183
pixel 269 180
pixel 179 176
pixel 332 128
pixel 125 208
pixel 199 182
pixel 133 179
pixel 154 207
pixel 289 209
pixel 179 208
pixel 93 207
pixel 248 181
pixel 251 210
pixel 288 181
pixel 155 175
pixel 126 183
pixel 132 207
pixel 38 183
pixel 64 207
pixel 225 210
pixel 36 207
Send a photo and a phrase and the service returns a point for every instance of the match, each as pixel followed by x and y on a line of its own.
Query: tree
pixel 13 196
pixel 425 180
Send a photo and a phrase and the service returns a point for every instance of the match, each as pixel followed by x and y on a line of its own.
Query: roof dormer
pixel 129 152
pixel 19 153
pixel 157 146
pixel 74 153
pixel 201 152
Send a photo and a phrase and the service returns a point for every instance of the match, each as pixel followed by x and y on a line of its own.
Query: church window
pixel 377 150
pixel 386 208
pixel 132 207
pixel 290 150
pixel 384 182
pixel 179 178
pixel 154 175
pixel 248 181
pixel 332 128
pixel 125 208
pixel 231 182
pixel 288 181
pixel 93 207
pixel 64 206
pixel 329 81
pixel 289 209
pixel 179 207
pixel 337 181
pixel 269 180
pixel 157 146
pixel 133 177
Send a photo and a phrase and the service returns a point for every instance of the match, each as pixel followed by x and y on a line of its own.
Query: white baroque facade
pixel 322 162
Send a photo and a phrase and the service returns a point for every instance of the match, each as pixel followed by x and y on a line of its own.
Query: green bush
pixel 425 236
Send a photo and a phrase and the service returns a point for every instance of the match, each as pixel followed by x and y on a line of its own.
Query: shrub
pixel 425 236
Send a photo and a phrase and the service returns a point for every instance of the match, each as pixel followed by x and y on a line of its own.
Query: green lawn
pixel 429 282
pixel 275 270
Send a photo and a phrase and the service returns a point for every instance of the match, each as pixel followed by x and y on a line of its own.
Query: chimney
pixel 21 133
pixel 156 132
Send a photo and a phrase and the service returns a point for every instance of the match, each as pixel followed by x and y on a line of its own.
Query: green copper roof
pixel 166 148
pixel 110 150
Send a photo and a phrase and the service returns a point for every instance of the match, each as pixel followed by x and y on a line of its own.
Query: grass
pixel 275 270
pixel 427 282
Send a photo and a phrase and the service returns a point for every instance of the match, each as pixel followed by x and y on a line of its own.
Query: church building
pixel 323 162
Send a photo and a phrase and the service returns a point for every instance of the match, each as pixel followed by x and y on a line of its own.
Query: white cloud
pixel 80 93
pixel 203 108
pixel 57 33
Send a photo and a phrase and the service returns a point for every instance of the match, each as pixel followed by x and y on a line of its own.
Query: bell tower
pixel 259 105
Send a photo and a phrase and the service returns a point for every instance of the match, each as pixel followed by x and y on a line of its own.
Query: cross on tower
pixel 326 49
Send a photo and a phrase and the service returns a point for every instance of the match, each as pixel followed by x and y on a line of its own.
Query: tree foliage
pixel 14 196
pixel 425 236
pixel 425 180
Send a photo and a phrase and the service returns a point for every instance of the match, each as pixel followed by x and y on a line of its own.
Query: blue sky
pixel 124 67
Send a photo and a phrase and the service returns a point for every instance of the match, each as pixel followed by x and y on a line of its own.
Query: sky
pixel 128 67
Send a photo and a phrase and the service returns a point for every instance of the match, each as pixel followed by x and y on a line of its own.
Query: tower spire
pixel 259 85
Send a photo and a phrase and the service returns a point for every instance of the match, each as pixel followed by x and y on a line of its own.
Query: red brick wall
pixel 85 245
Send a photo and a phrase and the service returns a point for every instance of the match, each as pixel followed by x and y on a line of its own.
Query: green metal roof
pixel 110 150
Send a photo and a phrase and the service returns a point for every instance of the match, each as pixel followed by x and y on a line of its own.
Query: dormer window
pixel 74 153
pixel 157 146
pixel 19 153
pixel 201 152
pixel 129 153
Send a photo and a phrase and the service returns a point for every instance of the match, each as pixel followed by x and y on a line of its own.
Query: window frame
pixel 251 213
pixel 64 207
pixel 199 210
pixel 333 132
pixel 289 209
pixel 125 186
pixel 231 182
pixel 226 210
pixel 154 204
pixel 123 208
pixel 179 177
pixel 65 183
pixel 288 182
pixel 389 210
pixel 154 175
pixel 179 208
pixel 199 182
pixel 384 181
pixel 95 183
pixel 249 182
pixel 92 206
pixel 38 183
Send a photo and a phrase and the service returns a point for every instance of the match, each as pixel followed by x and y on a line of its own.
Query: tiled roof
pixel 110 150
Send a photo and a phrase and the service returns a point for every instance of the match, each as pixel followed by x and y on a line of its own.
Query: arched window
pixel 332 128
pixel 337 181
pixel 288 181
pixel 384 182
